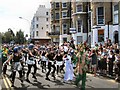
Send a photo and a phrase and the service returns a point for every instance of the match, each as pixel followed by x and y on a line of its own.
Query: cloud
pixel 11 10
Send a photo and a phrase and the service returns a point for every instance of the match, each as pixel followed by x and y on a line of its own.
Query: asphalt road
pixel 92 83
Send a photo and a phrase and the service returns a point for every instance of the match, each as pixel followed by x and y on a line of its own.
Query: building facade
pixel 55 22
pixel 93 22
pixel 40 25
pixel 60 22
pixel 104 22
pixel 81 22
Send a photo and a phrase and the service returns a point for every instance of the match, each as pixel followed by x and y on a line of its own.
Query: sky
pixel 11 10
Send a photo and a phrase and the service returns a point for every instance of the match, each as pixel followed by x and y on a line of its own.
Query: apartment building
pixel 40 25
pixel 93 22
pixel 60 22
pixel 105 21
pixel 81 22
pixel 55 22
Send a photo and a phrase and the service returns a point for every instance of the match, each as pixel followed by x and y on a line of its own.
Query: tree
pixel 7 37
pixel 20 37
pixel 11 31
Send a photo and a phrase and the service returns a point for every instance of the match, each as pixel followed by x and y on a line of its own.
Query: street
pixel 92 83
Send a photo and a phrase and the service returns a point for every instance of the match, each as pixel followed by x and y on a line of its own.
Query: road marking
pixel 9 82
pixel 6 85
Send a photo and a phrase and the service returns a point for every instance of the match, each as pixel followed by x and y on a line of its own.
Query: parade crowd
pixel 67 59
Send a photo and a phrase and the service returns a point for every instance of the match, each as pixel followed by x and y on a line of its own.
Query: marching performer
pixel 17 60
pixel 51 63
pixel 68 68
pixel 31 62
pixel 4 57
pixel 82 62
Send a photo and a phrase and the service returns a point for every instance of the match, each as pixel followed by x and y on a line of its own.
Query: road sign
pixel 72 30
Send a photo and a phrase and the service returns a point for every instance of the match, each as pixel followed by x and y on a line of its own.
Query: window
pixel 79 23
pixel 37 25
pixel 116 7
pixel 46 26
pixel 79 8
pixel 57 5
pixel 33 27
pixel 101 35
pixel 64 14
pixel 115 14
pixel 37 19
pixel 33 34
pixel 57 28
pixel 46 13
pixel 79 39
pixel 36 33
pixel 64 39
pixel 52 5
pixel 64 29
pixel 100 15
pixel 116 18
pixel 57 15
pixel 46 19
pixel 64 5
pixel 57 39
pixel 52 16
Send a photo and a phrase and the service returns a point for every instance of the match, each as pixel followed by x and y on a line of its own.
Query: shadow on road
pixel 39 85
pixel 57 82
pixel 39 75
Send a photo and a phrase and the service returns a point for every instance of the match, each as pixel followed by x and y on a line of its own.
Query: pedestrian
pixel 43 61
pixel 68 68
pixel 31 62
pixel 16 57
pixel 51 64
pixel 82 62
pixel 117 64
pixel 94 62
pixel 111 59
pixel 59 61
pixel 4 57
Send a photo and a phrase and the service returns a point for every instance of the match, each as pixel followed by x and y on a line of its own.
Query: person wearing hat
pixel 4 53
pixel 31 62
pixel 4 58
pixel 16 62
pixel 51 63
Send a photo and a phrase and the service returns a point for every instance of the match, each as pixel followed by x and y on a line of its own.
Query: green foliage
pixel 20 37
pixel 9 36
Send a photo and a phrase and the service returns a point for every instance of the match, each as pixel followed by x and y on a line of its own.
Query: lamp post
pixel 28 23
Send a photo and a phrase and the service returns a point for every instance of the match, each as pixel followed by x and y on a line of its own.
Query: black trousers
pixel 4 69
pixel 29 69
pixel 49 69
pixel 118 65
pixel 110 68
pixel 14 74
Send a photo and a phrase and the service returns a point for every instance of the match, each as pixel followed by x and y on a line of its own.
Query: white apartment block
pixel 40 25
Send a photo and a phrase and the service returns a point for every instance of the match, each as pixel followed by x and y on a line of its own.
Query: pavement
pixel 93 83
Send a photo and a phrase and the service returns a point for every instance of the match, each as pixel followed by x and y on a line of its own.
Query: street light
pixel 27 21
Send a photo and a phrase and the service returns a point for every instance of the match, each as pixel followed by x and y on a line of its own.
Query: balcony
pixel 79 13
pixel 56 33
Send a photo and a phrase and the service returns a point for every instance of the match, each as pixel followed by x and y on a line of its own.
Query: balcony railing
pixel 53 33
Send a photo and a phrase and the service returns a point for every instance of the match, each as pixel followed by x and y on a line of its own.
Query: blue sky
pixel 11 10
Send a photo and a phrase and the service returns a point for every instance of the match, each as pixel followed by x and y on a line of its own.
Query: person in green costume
pixel 82 62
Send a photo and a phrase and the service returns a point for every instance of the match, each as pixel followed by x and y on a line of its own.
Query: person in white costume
pixel 68 68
